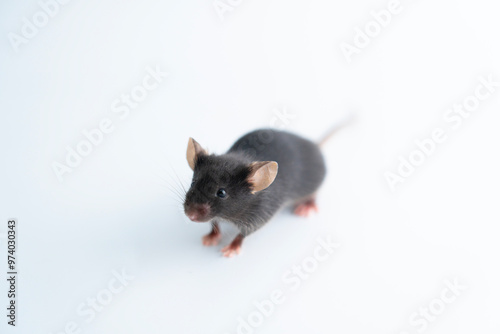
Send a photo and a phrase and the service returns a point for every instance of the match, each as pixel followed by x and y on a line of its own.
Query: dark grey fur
pixel 301 170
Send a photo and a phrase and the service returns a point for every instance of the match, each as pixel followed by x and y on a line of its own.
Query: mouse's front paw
pixel 234 248
pixel 211 239
pixel 231 250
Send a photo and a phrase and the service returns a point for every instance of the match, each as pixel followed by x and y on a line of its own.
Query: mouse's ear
pixel 262 174
pixel 194 150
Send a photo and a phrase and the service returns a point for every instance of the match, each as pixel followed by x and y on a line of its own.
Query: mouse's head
pixel 223 185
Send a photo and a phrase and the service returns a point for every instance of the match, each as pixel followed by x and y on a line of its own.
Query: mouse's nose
pixel 198 212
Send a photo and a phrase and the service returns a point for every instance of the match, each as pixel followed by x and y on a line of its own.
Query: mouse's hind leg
pixel 304 207
pixel 212 238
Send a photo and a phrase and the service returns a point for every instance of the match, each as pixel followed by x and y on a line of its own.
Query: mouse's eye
pixel 192 183
pixel 221 193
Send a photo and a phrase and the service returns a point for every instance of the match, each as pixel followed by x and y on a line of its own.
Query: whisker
pixel 175 183
pixel 178 178
pixel 170 183
pixel 176 196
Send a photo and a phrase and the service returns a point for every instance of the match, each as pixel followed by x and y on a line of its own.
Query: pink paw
pixel 211 239
pixel 304 209
pixel 231 250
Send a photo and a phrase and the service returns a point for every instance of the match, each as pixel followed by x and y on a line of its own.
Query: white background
pixel 227 77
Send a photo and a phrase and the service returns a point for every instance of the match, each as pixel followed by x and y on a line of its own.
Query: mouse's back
pixel 301 167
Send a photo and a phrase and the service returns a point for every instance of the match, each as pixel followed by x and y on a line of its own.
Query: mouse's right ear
pixel 194 150
pixel 262 174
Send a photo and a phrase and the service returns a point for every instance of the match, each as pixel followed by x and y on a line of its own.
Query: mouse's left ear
pixel 194 150
pixel 262 174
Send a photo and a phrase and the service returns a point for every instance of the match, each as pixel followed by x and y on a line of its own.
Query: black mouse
pixel 264 171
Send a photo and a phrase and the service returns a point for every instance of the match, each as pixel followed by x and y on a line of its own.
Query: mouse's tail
pixel 334 129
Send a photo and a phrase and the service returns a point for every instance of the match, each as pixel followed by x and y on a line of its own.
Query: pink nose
pixel 198 212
